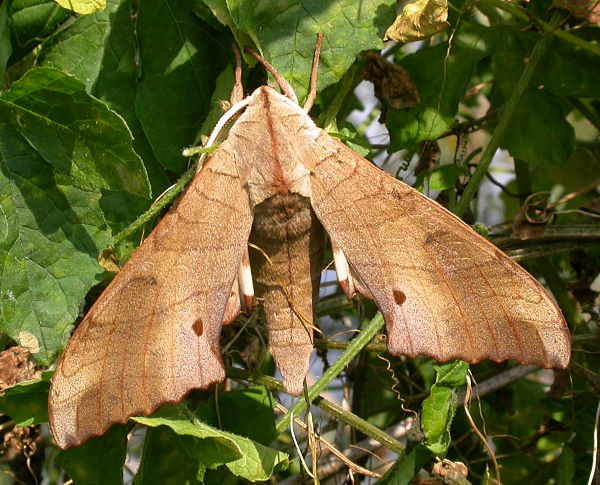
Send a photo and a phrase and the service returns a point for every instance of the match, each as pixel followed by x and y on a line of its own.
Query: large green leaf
pixel 166 460
pixel 5 46
pixel 257 402
pixel 212 447
pixel 286 31
pixel 571 70
pixel 539 133
pixel 181 57
pixel 75 133
pixel 32 21
pixel 100 50
pixel 50 233
pixel 406 467
pixel 80 48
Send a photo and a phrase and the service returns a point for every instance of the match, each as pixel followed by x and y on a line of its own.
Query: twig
pixel 332 449
pixel 477 432
pixel 298 450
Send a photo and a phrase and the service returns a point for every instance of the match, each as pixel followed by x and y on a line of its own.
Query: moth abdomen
pixel 286 268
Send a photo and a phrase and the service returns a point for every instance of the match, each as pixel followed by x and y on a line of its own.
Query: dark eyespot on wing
pixel 399 297
pixel 198 327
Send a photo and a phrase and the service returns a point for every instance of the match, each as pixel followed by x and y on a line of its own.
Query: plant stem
pixel 592 117
pixel 256 378
pixel 523 179
pixel 360 424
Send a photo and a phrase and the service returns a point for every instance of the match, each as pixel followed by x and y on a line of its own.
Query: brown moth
pixel 280 182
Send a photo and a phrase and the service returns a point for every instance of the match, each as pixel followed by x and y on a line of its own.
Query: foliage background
pixel 94 112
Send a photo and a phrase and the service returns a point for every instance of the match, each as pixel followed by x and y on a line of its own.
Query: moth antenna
pixel 219 128
pixel 286 87
pixel 312 94
pixel 237 93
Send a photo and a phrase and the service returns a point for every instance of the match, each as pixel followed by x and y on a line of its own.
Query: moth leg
pixel 284 85
pixel 237 93
pixel 241 295
pixel 312 94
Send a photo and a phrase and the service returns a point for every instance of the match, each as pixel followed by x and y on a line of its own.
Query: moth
pixel 279 183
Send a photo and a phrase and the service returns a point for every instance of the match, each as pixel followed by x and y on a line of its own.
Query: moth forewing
pixel 444 291
pixel 153 335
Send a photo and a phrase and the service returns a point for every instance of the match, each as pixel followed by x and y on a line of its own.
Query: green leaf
pixel 27 402
pixel 507 52
pixel 566 466
pixel 571 70
pixel 83 6
pixel 220 476
pixel 224 84
pixel 32 21
pixel 539 133
pixel 100 50
pixel 99 461
pixel 79 49
pixel 50 234
pixel 439 408
pixel 286 34
pixel 120 209
pixel 568 70
pixel 243 457
pixel 217 448
pixel 75 133
pixel 181 57
pixel 166 460
pixel 352 139
pixel 221 12
pixel 442 79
